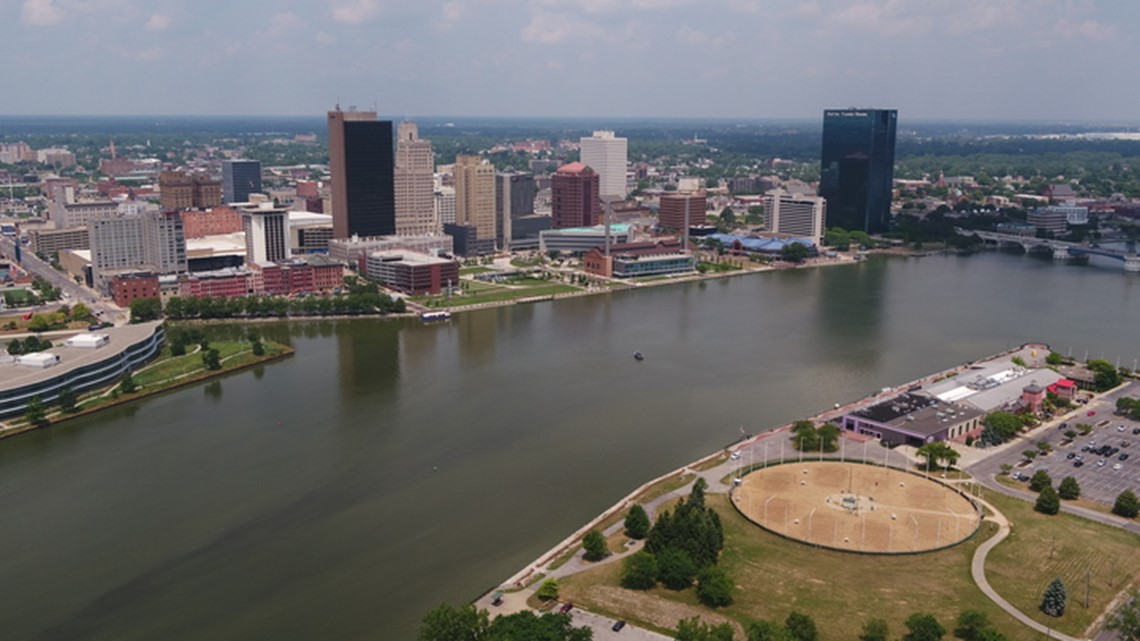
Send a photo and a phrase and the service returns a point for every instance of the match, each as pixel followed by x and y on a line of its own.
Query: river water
pixel 390 466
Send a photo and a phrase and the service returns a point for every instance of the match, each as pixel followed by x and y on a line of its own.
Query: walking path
pixel 978 571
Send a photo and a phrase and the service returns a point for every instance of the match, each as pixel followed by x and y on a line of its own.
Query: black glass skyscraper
pixel 363 180
pixel 240 178
pixel 857 167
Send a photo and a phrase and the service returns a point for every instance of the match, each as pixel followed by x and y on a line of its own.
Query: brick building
pixel 178 190
pixel 127 288
pixel 575 196
pixel 216 221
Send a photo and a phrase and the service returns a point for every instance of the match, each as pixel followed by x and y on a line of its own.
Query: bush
pixel 922 626
pixel 1048 502
pixel 1126 505
pixel 971 623
pixel 1069 489
pixel 714 587
pixel 595 545
pixel 801 627
pixel 875 630
pixel 637 522
pixel 548 591
pixel 1040 481
pixel 675 568
pixel 639 571
pixel 1055 599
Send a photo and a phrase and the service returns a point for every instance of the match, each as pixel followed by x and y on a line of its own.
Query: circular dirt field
pixel 856 507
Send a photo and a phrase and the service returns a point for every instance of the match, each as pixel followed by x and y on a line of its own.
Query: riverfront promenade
pixel 774 445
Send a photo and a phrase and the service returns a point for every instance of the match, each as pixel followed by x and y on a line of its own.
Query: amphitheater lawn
pixel 839 590
pixel 1042 548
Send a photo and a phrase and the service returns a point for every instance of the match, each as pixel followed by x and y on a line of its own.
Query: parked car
pixel 1071 455
pixel 566 607
pixel 1092 413
pixel 1136 430
pixel 1078 463
pixel 1123 457
pixel 618 625
pixel 1117 467
pixel 1101 462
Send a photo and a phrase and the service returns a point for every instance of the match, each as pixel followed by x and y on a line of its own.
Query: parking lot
pixel 1102 475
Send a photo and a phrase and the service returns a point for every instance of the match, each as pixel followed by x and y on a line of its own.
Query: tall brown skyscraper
pixel 415 183
pixel 360 161
pixel 575 196
pixel 475 195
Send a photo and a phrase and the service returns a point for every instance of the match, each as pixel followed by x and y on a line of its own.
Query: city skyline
pixel 972 60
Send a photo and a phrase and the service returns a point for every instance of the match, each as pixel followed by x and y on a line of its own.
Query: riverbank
pixel 109 397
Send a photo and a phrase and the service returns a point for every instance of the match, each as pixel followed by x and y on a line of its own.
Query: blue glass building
pixel 857 167
pixel 240 178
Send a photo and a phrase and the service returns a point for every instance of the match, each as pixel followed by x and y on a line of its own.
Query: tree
pixel 639 571
pixel 804 436
pixel 1055 599
pixel 1126 505
pixel 145 309
pixel 447 623
pixel 766 631
pixel 1126 620
pixel 794 252
pixel 15 347
pixel 1069 489
pixel 1054 358
pixel 1048 502
pixel 875 630
pixel 35 413
pixel 860 237
pixel 801 627
pixel 258 348
pixel 829 437
pixel 675 568
pixel 595 545
pixel 68 400
pixel 922 626
pixel 1000 427
pixel 1040 481
pixel 727 216
pixel 837 237
pixel 696 630
pixel 715 587
pixel 211 359
pixel 1107 377
pixel 971 623
pixel 637 522
pixel 80 311
pixel 552 626
pixel 127 384
pixel 548 591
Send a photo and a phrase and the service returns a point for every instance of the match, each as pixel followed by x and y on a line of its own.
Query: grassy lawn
pixel 471 271
pixel 840 590
pixel 479 286
pixel 1042 548
pixel 168 367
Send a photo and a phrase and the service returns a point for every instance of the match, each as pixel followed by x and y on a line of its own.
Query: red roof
pixel 573 168
pixel 1064 382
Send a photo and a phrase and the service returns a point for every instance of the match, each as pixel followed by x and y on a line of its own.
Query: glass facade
pixel 240 178
pixel 857 167
pixel 370 178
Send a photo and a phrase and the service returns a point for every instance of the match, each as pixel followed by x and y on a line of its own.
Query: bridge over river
pixel 1062 250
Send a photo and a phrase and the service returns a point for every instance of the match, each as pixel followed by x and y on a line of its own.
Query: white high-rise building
pixel 415 182
pixel 266 233
pixel 445 205
pixel 606 154
pixel 796 214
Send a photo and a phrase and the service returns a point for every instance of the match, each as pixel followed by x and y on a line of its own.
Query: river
pixel 390 466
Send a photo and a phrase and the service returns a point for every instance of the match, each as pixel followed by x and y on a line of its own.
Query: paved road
pixel 78 293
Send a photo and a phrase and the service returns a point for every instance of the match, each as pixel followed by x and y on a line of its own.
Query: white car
pixel 735 455
pixel 1120 428
pixel 1101 463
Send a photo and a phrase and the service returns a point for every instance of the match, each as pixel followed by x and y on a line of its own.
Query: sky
pixel 1058 60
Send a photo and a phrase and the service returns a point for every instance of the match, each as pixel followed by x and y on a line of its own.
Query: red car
pixel 1092 413
pixel 566 607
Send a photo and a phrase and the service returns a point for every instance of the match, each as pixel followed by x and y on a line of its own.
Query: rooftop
pixel 615 229
pixel 919 415
pixel 13 376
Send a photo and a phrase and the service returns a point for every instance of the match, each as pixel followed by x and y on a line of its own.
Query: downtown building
pixel 127 243
pixel 680 211
pixel 266 233
pixel 857 167
pixel 514 198
pixel 240 178
pixel 361 165
pixel 575 196
pixel 414 183
pixel 796 215
pixel 179 190
pixel 474 227
pixel 606 154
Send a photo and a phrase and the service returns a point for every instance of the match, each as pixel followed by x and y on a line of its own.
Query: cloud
pixel 888 17
pixel 556 28
pixel 610 6
pixel 451 13
pixel 691 36
pixel 41 13
pixel 354 11
pixel 157 22
pixel 1088 29
pixel 147 55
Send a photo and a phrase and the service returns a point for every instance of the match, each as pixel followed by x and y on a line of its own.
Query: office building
pixel 116 244
pixel 179 190
pixel 796 215
pixel 164 242
pixel 240 178
pixel 211 222
pixel 583 239
pixel 353 250
pixel 70 215
pixel 475 195
pixel 266 233
pixel 361 164
pixel 514 198
pixel 606 154
pixel 857 167
pixel 412 273
pixel 49 242
pixel 678 212
pixel 575 197
pixel 414 183
pixel 445 205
